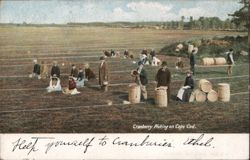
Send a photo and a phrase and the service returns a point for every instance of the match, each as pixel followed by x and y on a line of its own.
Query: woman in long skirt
pixel 185 91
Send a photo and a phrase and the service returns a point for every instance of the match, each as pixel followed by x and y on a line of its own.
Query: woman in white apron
pixel 54 84
pixel 185 91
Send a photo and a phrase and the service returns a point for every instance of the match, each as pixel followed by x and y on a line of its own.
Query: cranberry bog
pixel 26 107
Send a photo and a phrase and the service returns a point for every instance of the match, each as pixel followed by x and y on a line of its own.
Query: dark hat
pixel 164 63
pixel 231 49
pixel 102 58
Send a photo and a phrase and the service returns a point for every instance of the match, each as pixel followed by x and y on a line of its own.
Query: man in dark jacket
pixel 152 53
pixel 55 70
pixel 74 72
pixel 230 61
pixel 142 80
pixel 163 78
pixel 192 62
pixel 36 69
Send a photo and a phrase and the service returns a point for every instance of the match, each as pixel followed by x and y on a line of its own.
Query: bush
pixel 208 49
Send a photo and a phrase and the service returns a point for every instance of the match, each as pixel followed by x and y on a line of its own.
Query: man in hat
pixel 142 80
pixel 185 91
pixel 55 69
pixel 74 72
pixel 36 69
pixel 163 78
pixel 192 62
pixel 103 74
pixel 230 61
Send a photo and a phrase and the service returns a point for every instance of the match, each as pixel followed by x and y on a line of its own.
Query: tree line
pixel 239 20
pixel 203 23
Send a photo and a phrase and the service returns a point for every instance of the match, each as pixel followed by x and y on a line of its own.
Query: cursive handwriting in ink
pixel 75 143
pixel 199 141
pixel 146 142
pixel 22 144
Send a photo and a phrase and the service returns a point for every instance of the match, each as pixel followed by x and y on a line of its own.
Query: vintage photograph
pixel 124 66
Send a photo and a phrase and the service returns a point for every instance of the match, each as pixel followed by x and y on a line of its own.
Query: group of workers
pixel 163 76
pixel 163 79
pixel 77 77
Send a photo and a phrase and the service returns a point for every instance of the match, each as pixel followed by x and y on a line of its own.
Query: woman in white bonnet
pixel 54 84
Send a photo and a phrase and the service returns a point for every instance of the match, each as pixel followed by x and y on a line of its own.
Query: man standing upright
pixel 55 70
pixel 192 62
pixel 230 61
pixel 103 74
pixel 163 78
pixel 142 80
pixel 152 53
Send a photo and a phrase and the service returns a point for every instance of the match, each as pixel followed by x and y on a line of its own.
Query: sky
pixel 65 11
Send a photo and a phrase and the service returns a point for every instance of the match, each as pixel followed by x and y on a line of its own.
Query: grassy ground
pixel 32 111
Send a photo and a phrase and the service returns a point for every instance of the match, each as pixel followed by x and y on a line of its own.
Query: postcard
pixel 124 79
